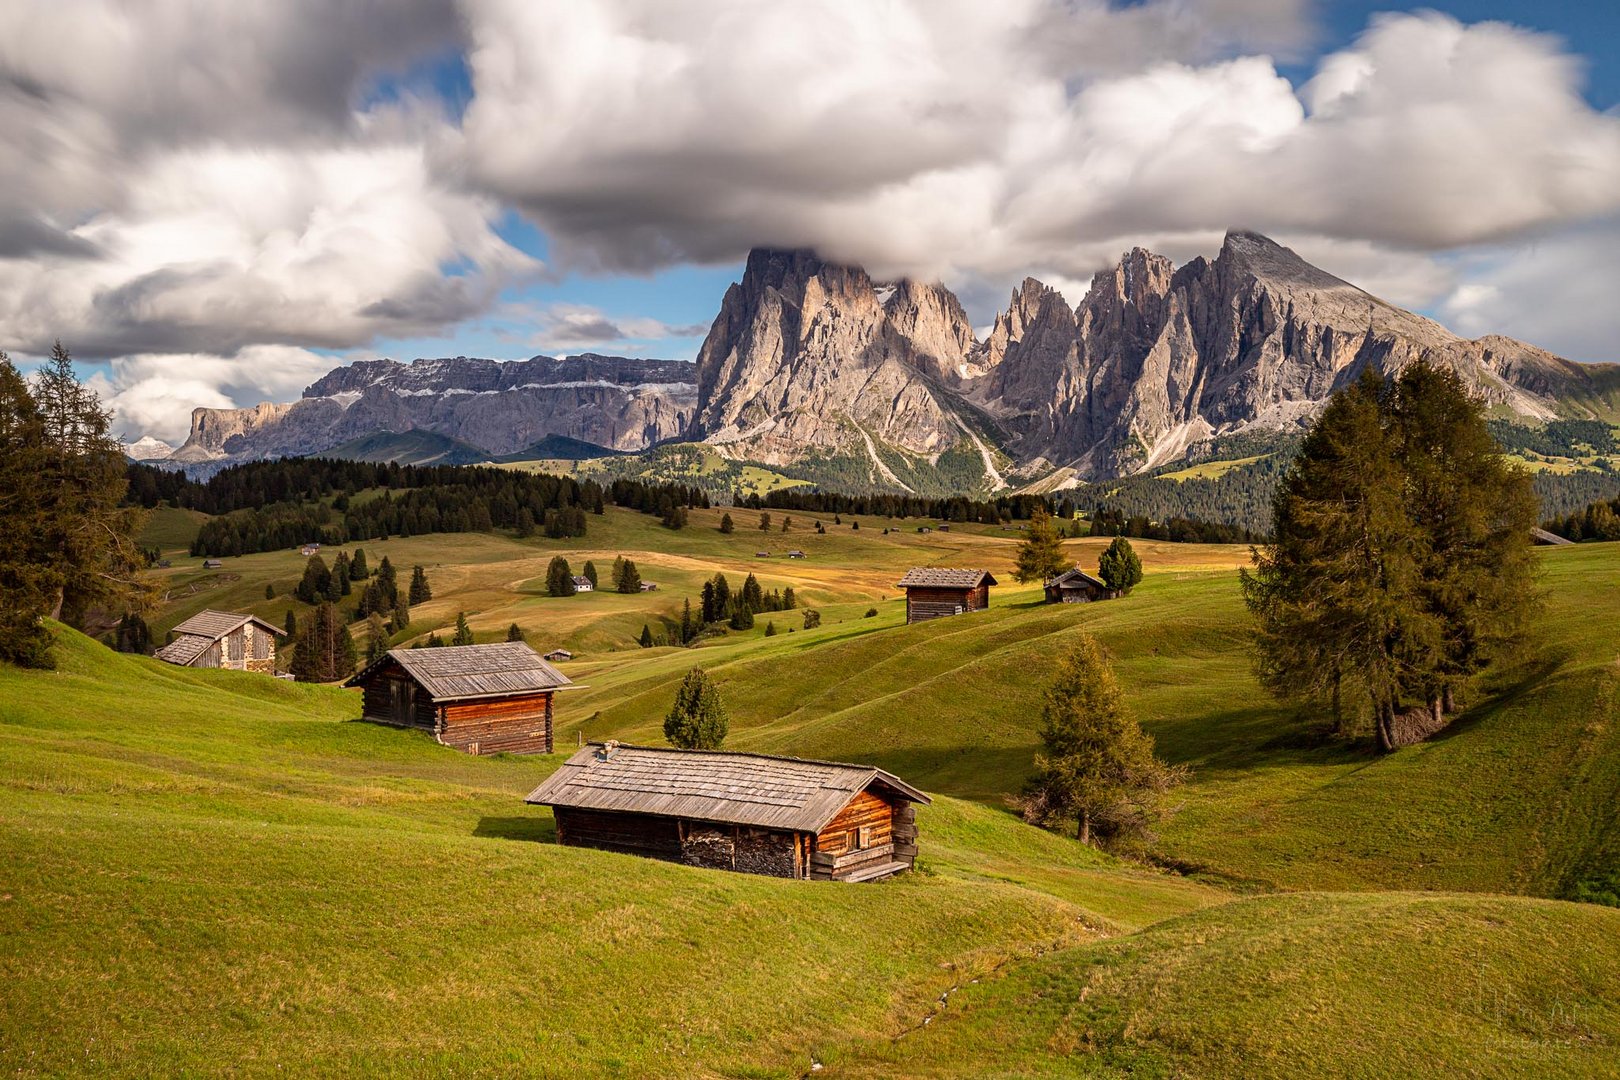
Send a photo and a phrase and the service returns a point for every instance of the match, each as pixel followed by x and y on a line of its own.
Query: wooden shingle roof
pixel 706 785
pixel 458 672
pixel 184 649
pixel 935 577
pixel 1075 576
pixel 214 625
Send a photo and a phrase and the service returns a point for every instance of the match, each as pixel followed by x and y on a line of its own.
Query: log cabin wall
pixel 515 725
pixel 632 834
pixel 923 603
pixel 378 696
pixel 861 835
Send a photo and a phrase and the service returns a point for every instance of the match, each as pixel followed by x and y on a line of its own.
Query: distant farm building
pixel 213 564
pixel 556 655
pixel 784 817
pixel 795 554
pixel 762 554
pixel 309 549
pixel 582 583
pixel 649 586
pixel 223 639
pixel 482 699
pixel 1076 587
pixel 933 593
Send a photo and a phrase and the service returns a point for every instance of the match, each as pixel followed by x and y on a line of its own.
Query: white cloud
pixel 1556 290
pixel 153 394
pixel 946 138
pixel 566 328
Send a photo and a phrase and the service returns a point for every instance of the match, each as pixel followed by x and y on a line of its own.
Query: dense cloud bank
pixel 192 179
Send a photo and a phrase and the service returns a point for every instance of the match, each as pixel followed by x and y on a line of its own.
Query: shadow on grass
pixel 543 829
pixel 1508 689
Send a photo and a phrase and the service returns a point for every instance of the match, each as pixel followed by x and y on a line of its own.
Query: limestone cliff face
pixel 617 402
pixel 806 357
pixel 1161 358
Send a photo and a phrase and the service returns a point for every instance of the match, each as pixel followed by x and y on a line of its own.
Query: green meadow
pixel 211 872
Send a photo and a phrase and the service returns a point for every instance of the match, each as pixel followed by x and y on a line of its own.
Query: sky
pixel 213 204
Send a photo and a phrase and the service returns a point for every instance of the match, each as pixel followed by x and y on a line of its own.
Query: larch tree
pixel 1096 765
pixel 1399 564
pixel 1040 555
pixel 697 720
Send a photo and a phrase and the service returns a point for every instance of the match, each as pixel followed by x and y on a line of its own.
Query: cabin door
pixel 401 701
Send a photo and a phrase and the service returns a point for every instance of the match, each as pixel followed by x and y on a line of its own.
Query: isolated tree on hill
pixel 269 590
pixel 1119 566
pixel 812 619
pixel 1040 555
pixel 376 638
pixel 317 579
pixel 420 592
pixel 324 651
pixel 697 720
pixel 589 573
pixel 770 628
pixel 87 530
pixel 1400 564
pixel 764 523
pixel 559 578
pixel 357 566
pixel 725 523
pixel 787 523
pixel 514 633
pixel 1096 765
pixel 464 634
pixel 646 638
pixel 628 579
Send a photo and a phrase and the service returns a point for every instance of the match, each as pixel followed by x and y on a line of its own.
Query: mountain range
pixel 811 366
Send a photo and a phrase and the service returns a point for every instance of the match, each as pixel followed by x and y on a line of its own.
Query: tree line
pixel 67 533
pixel 1599 521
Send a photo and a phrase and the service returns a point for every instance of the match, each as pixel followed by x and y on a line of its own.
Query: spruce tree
pixel 628 579
pixel 725 523
pixel 29 575
pixel 401 618
pixel 753 597
pixel 420 592
pixel 789 600
pixel 357 565
pixel 514 633
pixel 1096 765
pixel 1119 566
pixel 376 638
pixel 1040 555
pixel 787 523
pixel 697 720
pixel 764 523
pixel 87 531
pixel 688 631
pixel 559 578
pixel 316 580
pixel 133 635
pixel 464 634
pixel 589 573
pixel 325 650
pixel 646 636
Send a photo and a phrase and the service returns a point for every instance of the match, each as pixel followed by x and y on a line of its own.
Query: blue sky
pixel 216 203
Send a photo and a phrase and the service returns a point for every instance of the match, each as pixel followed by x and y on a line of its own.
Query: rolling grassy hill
pixel 214 872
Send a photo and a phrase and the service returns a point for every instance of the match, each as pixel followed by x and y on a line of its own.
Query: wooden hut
pixel 482 699
pixel 784 817
pixel 932 592
pixel 223 639
pixel 1075 586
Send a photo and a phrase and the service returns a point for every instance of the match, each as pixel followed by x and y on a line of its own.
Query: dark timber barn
pixel 932 593
pixel 785 817
pixel 483 699
pixel 1075 586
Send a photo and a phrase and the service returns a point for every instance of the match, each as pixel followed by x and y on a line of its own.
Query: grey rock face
pixel 618 402
pixel 808 356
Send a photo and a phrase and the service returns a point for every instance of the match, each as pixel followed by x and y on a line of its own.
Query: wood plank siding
pixel 521 724
pixel 924 603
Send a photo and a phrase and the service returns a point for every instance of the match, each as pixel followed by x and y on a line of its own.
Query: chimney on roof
pixel 606 753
